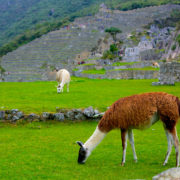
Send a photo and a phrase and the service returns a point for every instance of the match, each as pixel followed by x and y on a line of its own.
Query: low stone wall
pixel 121 74
pixel 61 115
pixel 132 74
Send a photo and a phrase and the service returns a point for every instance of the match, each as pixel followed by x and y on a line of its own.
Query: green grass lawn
pixel 148 68
pixel 46 150
pixel 94 71
pixel 40 97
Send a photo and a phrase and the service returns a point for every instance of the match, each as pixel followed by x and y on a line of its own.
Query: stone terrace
pixel 55 48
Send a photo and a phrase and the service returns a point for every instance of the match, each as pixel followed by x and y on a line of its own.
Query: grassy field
pixel 48 151
pixel 40 97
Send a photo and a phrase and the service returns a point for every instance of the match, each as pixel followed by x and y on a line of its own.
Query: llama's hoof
pixel 164 163
pixel 135 160
pixel 122 164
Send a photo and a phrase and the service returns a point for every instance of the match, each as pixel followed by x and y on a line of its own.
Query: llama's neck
pixel 94 140
pixel 62 83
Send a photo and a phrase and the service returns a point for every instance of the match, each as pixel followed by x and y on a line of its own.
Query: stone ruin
pixel 169 74
pixel 134 54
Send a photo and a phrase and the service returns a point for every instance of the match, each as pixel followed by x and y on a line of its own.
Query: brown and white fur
pixel 62 77
pixel 137 112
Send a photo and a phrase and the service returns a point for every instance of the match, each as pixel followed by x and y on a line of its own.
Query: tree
pixel 113 31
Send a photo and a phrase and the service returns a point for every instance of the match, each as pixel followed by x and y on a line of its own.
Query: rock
pixel 2 115
pixel 20 115
pixel 96 112
pixel 100 115
pixel 59 116
pixel 89 112
pixel 170 174
pixel 14 111
pixel 33 116
pixel 47 116
pixel 70 115
pixel 9 117
pixel 80 116
pixel 15 118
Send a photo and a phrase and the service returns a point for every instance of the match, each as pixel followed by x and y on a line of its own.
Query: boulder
pixel 2 115
pixel 33 116
pixel 89 112
pixel 47 116
pixel 170 174
pixel 59 116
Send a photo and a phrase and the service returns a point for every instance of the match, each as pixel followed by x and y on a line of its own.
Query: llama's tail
pixel 178 103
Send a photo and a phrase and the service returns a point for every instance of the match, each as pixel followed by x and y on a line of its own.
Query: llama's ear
pixel 80 143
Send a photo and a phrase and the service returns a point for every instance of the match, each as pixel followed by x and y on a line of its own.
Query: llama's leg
pixel 131 140
pixel 124 145
pixel 169 139
pixel 176 144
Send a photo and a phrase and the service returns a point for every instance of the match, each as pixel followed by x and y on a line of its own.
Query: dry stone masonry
pixel 169 74
pixel 61 115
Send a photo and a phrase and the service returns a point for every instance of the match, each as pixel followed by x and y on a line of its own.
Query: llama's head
pixel 83 153
pixel 59 88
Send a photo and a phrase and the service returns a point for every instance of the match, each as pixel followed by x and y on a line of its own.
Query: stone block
pixel 59 116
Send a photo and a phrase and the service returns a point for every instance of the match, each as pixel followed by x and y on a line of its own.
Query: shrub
pixel 173 47
pixel 178 39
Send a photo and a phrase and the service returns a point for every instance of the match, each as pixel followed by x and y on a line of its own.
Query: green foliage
pixel 173 47
pixel 113 31
pixel 148 68
pixel 108 55
pixel 113 48
pixel 17 16
pixel 123 63
pixel 23 21
pixel 129 4
pixel 178 39
pixel 94 71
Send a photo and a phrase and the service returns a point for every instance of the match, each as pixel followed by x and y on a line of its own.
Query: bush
pixel 173 47
pixel 178 39
pixel 108 55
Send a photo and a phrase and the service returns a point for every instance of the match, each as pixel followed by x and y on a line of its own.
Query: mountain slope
pixel 16 16
pixel 54 49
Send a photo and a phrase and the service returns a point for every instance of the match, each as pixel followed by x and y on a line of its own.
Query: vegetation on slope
pixel 22 22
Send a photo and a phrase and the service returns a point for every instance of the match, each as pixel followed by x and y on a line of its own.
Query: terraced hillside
pixel 29 62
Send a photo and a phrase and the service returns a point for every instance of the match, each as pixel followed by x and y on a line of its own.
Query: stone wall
pixel 121 74
pixel 15 115
pixel 169 74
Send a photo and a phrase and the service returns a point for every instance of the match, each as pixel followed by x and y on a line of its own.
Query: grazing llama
pixel 62 77
pixel 155 64
pixel 137 112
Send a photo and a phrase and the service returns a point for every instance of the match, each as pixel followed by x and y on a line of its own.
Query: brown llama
pixel 137 112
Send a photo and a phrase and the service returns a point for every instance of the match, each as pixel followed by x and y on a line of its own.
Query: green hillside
pixel 16 16
pixel 23 21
